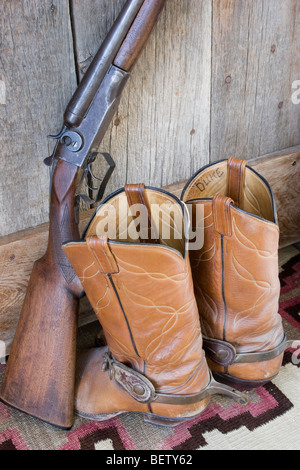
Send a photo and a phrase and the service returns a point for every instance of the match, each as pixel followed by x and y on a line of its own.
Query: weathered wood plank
pixel 38 72
pixel 161 131
pixel 282 171
pixel 256 59
pixel 91 22
pixel 16 261
pixel 19 251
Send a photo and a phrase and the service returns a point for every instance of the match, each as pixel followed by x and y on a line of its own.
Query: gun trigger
pixel 49 160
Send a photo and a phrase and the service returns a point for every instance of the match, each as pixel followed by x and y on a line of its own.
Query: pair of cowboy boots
pixel 134 263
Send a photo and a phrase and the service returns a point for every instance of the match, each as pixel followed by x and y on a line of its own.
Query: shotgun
pixel 40 375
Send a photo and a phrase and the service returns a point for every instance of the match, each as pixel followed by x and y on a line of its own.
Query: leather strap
pixel 103 256
pixel 134 383
pixel 143 391
pixel 236 171
pixel 136 195
pixel 221 352
pixel 224 354
pixel 222 215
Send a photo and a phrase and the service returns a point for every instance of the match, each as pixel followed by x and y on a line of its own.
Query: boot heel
pixel 163 421
pixel 240 384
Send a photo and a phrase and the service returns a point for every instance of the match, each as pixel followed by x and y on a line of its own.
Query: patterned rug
pixel 271 421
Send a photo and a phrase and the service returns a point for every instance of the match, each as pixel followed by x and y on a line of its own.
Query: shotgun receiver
pixel 40 374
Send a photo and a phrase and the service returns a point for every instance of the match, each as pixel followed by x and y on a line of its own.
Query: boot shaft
pixel 141 288
pixel 236 271
pixel 234 179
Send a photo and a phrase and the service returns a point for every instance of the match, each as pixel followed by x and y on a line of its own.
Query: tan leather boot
pixel 142 293
pixel 236 273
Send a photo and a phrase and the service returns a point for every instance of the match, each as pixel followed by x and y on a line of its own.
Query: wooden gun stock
pixel 40 374
pixel 39 377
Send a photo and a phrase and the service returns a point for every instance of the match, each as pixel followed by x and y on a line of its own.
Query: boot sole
pixel 149 418
pixel 241 384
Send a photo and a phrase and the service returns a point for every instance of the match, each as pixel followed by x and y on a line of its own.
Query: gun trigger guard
pixel 88 172
pixel 58 136
pixel 108 175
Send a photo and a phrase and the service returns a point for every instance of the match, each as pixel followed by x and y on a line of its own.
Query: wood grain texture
pixel 138 34
pixel 255 62
pixel 18 255
pixel 282 170
pixel 47 328
pixel 91 21
pixel 18 252
pixel 161 131
pixel 215 80
pixel 37 67
pixel 16 263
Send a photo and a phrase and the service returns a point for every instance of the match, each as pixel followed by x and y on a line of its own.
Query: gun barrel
pixel 91 81
pixel 138 34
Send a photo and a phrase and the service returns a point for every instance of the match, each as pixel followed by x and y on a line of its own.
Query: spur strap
pixel 224 354
pixel 142 390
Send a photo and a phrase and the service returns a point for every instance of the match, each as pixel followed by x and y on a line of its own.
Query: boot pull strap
pixel 222 215
pixel 102 254
pixel 236 171
pixel 136 195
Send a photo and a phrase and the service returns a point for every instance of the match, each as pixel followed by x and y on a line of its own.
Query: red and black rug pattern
pixel 273 412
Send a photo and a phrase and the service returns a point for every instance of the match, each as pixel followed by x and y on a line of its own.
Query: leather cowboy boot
pixel 235 273
pixel 141 290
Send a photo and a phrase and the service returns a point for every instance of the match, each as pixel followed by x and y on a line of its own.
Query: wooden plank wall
pixel 161 131
pixel 37 68
pixel 214 81
pixel 256 59
pixel 156 136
